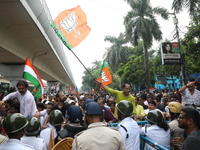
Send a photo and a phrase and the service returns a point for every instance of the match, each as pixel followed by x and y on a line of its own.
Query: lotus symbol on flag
pixel 69 24
pixel 104 77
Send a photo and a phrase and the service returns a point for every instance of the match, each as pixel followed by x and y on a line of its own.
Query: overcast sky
pixel 105 17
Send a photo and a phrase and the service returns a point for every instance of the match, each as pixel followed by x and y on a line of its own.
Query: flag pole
pixel 86 68
pixel 83 65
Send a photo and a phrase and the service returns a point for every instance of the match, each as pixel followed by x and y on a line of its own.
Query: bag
pixel 63 133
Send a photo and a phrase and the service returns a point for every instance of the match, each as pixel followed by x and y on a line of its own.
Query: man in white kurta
pixel 27 102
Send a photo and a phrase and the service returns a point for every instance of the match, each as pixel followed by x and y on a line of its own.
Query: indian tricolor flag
pixel 31 74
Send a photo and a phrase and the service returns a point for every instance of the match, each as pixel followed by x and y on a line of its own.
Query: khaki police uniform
pixel 98 137
pixel 14 144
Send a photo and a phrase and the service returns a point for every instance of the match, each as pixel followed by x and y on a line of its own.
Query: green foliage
pixel 118 52
pixel 191 5
pixel 127 61
pixel 158 68
pixel 87 80
pixel 141 24
pixel 191 47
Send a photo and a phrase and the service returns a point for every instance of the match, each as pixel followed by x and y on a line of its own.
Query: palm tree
pixel 141 24
pixel 192 6
pixel 96 65
pixel 118 53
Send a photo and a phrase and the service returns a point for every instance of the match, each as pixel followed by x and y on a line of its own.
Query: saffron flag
pixel 93 90
pixel 31 74
pixel 76 90
pixel 105 76
pixel 70 88
pixel 71 27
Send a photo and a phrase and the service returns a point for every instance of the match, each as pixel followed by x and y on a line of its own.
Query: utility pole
pixel 182 71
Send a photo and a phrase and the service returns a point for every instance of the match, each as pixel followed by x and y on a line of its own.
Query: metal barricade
pixel 147 144
pixel 140 123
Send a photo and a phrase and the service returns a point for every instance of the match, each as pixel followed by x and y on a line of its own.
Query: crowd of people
pixel 172 116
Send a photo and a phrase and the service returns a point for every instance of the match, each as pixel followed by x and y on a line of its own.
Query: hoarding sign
pixel 170 53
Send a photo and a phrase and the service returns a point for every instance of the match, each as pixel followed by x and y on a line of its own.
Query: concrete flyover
pixel 25 32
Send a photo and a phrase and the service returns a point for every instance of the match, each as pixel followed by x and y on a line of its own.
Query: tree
pixel 191 5
pixel 96 65
pixel 118 52
pixel 133 71
pixel 191 47
pixel 88 80
pixel 141 23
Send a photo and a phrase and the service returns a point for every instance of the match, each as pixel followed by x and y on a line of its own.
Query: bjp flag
pixel 105 76
pixel 76 90
pixel 70 88
pixel 93 90
pixel 71 27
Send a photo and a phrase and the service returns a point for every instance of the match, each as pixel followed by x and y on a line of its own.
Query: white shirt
pixel 146 111
pixel 166 109
pixel 15 144
pixel 157 134
pixel 27 102
pixel 37 143
pixel 45 134
pixel 132 135
pixel 43 115
pixel 187 98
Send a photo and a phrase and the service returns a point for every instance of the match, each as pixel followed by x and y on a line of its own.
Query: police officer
pixel 32 131
pixel 97 136
pixel 54 125
pixel 75 122
pixel 14 125
pixel 128 127
pixel 158 131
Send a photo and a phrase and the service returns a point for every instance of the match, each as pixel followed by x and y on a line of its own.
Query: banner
pixel 170 53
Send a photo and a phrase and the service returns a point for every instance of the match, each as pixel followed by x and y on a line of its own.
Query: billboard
pixel 170 53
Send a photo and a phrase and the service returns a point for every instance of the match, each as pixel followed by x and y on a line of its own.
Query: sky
pixel 105 17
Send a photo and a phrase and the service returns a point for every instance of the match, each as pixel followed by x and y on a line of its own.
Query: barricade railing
pixel 147 144
pixel 141 123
